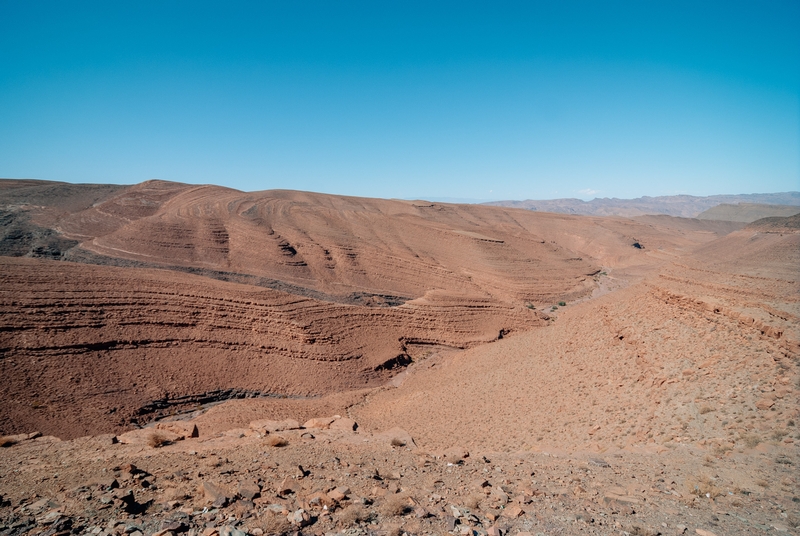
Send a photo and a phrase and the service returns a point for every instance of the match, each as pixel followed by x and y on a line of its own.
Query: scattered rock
pixel 248 489
pixel 288 485
pixel 455 455
pixel 270 426
pixel 344 423
pixel 703 532
pixel 299 517
pixel 765 403
pixel 214 493
pixel 397 437
pixel 339 494
pixel 320 422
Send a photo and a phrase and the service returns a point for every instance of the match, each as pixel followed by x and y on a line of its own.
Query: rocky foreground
pixel 328 477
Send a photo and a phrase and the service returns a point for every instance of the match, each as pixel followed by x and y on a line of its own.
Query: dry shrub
pixel 721 450
pixel 706 409
pixel 637 530
pixel 777 435
pixel 276 441
pixel 6 441
pixel 761 482
pixel 355 513
pixel 156 440
pixel 274 524
pixel 395 505
pixel 396 442
pixel 704 486
pixel 751 441
pixel 394 530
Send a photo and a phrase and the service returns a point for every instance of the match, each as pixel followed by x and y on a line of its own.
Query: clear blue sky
pixel 467 100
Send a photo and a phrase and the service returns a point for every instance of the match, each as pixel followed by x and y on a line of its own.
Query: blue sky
pixel 462 100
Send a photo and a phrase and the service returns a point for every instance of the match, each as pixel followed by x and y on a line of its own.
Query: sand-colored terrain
pixel 660 397
pixel 189 294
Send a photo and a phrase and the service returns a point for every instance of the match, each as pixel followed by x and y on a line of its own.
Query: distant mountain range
pixel 685 206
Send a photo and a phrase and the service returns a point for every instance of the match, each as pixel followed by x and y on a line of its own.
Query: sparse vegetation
pixel 156 440
pixel 706 409
pixel 397 442
pixel 562 304
pixel 777 435
pixel 704 486
pixel 395 505
pixel 721 450
pixel 276 441
pixel 750 440
pixel 355 513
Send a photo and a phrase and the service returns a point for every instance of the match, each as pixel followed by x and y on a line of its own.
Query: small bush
pixel 396 442
pixel 706 409
pixel 777 435
pixel 562 304
pixel 721 450
pixel 705 487
pixel 276 441
pixel 156 440
pixel 751 441
pixel 355 513
pixel 395 505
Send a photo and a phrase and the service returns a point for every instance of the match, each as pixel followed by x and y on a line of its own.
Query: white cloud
pixel 588 191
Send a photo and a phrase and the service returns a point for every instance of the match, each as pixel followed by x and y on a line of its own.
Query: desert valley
pixel 182 359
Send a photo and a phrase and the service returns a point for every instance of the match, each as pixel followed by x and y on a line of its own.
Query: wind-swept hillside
pixel 145 299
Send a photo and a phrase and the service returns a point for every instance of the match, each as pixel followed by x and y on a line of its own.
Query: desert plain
pixel 182 359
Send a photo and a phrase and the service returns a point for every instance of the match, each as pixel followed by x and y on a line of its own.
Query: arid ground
pixel 194 359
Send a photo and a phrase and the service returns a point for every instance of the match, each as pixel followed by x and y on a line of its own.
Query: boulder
pixel 214 493
pixel 346 424
pixel 320 422
pixel 269 426
pixel 397 437
pixel 248 489
pixel 182 428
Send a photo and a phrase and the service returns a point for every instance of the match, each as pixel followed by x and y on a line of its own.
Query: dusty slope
pixel 86 348
pixel 269 293
pixel 682 386
pixel 705 351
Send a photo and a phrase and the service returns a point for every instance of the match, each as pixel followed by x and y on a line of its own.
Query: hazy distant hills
pixel 748 212
pixel 685 206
